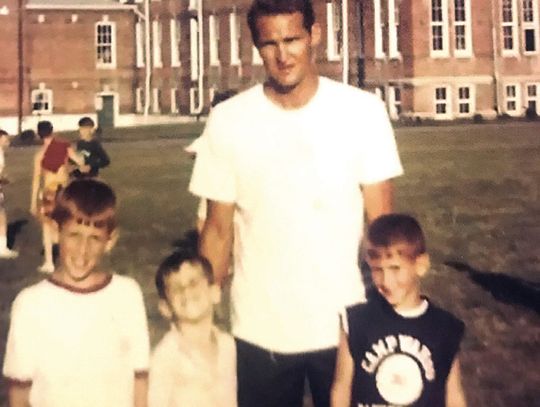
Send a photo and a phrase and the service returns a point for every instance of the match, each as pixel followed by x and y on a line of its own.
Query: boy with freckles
pixel 79 338
pixel 398 349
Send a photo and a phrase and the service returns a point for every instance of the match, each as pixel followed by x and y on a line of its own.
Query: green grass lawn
pixel 473 187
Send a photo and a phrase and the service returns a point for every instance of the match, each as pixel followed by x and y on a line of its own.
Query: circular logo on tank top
pixel 399 379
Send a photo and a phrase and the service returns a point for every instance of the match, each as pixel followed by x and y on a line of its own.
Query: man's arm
pixel 341 388
pixel 378 199
pixel 455 396
pixel 18 395
pixel 140 390
pixel 217 237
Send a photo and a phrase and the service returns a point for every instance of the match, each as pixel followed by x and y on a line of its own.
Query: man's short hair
pixel 86 122
pixel 87 201
pixel 44 128
pixel 3 133
pixel 260 8
pixel 172 264
pixel 396 228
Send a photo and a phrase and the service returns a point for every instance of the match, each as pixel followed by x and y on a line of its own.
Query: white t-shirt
pixel 179 377
pixel 295 176
pixel 78 349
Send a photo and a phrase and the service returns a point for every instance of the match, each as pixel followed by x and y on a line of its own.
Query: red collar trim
pixel 78 290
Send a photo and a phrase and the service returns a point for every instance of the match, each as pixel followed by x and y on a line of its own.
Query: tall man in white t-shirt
pixel 294 162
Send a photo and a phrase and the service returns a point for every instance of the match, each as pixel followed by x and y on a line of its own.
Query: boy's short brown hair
pixel 87 201
pixel 393 229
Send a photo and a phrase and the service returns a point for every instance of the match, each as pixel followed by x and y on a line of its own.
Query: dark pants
pixel 269 379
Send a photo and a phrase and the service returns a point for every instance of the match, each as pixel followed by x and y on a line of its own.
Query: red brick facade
pixel 441 59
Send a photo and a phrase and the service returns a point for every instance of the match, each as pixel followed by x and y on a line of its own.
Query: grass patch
pixel 473 187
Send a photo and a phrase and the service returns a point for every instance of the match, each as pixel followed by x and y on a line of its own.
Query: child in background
pixel 50 175
pixel 91 149
pixel 195 363
pixel 399 348
pixel 79 338
pixel 5 252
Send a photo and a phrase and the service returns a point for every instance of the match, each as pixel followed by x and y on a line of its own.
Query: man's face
pixel 286 48
pixel 81 250
pixel 4 141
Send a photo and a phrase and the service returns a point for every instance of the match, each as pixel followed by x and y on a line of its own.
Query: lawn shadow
pixel 504 288
pixel 13 229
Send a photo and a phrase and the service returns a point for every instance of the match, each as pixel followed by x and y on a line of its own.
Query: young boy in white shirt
pixel 5 252
pixel 80 338
pixel 195 363
pixel 399 348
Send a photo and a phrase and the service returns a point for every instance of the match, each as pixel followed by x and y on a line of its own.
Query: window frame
pixel 529 25
pixel 465 24
pixel 446 102
pixel 42 90
pixel 469 101
pixel 175 32
pixel 334 30
pixel 111 44
pixel 214 40
pixel 234 31
pixel 157 42
pixel 515 98
pixel 509 23
pixel 442 24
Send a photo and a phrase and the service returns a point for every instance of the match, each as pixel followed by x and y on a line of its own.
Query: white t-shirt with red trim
pixel 294 177
pixel 78 349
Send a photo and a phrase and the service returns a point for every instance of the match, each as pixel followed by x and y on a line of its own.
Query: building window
pixel 156 100
pixel 465 101
pixel 512 99
pixel 439 28
pixel 105 45
pixel 175 33
pixel 334 30
pixel 42 100
pixel 234 26
pixel 139 44
pixel 213 34
pixel 193 100
pixel 378 29
pixel 509 24
pixel 394 105
pixel 139 100
pixel 442 108
pixel 533 97
pixel 194 48
pixel 256 56
pixel 156 43
pixel 174 100
pixel 393 28
pixel 530 25
pixel 462 28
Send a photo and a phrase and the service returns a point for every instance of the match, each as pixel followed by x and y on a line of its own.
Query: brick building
pixel 441 59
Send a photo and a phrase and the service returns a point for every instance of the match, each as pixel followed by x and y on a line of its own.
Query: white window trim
pixel 45 91
pixel 444 52
pixel 467 52
pixel 234 38
pixel 156 44
pixel 174 29
pixel 256 56
pixel 392 102
pixel 393 24
pixel 213 38
pixel 156 105
pixel 139 97
pixel 193 48
pixel 174 104
pixel 112 64
pixel 514 25
pixel 535 98
pixel 530 25
pixel 332 51
pixel 447 101
pixel 193 100
pixel 471 101
pixel 516 98
pixel 377 30
pixel 139 44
